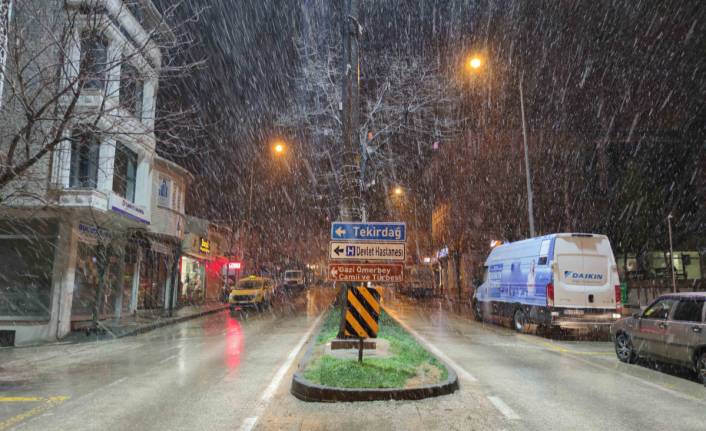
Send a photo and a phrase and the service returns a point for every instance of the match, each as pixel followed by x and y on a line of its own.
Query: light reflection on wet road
pixel 200 374
pixel 212 372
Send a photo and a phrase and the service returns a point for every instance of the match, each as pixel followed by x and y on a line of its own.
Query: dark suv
pixel 671 329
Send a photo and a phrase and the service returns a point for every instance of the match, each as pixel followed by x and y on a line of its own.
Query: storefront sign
pixel 160 247
pixel 205 246
pixel 127 208
pixel 90 233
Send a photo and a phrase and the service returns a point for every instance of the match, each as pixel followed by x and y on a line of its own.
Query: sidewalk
pixel 143 321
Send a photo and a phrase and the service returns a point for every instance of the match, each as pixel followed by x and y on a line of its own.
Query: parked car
pixel 294 278
pixel 253 292
pixel 564 280
pixel 672 329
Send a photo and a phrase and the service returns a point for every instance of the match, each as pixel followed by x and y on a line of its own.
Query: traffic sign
pixel 373 231
pixel 366 272
pixel 340 250
pixel 362 312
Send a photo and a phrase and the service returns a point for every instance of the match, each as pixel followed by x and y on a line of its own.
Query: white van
pixel 294 278
pixel 567 280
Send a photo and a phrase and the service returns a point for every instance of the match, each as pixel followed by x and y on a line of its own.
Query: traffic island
pixel 399 368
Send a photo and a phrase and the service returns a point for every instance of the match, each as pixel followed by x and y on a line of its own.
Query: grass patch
pixel 393 372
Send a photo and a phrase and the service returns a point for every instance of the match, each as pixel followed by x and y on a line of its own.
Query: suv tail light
pixel 550 294
pixel 618 299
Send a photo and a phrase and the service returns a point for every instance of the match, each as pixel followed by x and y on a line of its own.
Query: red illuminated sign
pixel 234 265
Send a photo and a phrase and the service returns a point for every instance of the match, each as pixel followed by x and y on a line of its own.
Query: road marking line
pixel 249 423
pixel 168 358
pixel 20 399
pixel 435 350
pixel 270 390
pixel 117 382
pixel 503 408
pixel 48 404
pixel 561 349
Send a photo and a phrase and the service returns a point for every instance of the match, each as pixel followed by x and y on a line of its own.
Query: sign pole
pixel 360 350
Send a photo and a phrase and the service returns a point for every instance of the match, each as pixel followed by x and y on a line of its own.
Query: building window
pixel 164 191
pixel 85 148
pixel 131 89
pixel 94 60
pixel 125 172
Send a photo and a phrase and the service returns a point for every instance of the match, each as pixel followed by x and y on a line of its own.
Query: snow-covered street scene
pixel 352 214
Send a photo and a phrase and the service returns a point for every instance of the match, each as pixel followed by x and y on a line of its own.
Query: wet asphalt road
pixel 224 372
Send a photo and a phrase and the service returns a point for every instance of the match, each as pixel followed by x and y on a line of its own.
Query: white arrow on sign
pixel 340 231
pixel 334 272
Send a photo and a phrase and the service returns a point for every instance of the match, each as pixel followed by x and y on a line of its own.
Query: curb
pixel 313 392
pixel 162 323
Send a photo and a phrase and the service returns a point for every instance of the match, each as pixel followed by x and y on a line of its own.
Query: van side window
pixel 659 310
pixel 544 252
pixel 689 310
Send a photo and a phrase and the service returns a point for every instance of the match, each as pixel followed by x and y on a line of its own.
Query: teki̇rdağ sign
pixel 372 231
pixel 366 251
pixel 366 272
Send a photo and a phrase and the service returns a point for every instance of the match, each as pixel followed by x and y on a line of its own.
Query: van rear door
pixel 585 273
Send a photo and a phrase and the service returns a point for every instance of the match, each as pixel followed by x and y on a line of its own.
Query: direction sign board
pixel 373 231
pixel 364 272
pixel 351 250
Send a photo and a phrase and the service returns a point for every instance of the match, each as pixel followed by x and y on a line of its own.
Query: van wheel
pixel 701 368
pixel 624 349
pixel 519 320
pixel 477 311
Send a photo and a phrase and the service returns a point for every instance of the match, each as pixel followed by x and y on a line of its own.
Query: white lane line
pixel 249 423
pixel 270 390
pixel 503 408
pixel 435 350
pixel 117 382
pixel 168 358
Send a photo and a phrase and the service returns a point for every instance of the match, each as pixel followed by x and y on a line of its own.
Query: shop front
pixel 27 254
pixel 192 280
pixel 104 273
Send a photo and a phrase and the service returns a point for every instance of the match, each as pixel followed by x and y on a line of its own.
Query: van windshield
pixel 292 274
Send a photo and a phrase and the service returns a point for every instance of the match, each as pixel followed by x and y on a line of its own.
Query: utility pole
pixel 530 210
pixel 350 170
pixel 350 203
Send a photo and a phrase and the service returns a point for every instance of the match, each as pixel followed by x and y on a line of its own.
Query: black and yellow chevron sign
pixel 362 312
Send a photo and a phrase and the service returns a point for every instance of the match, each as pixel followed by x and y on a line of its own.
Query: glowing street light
pixel 279 147
pixel 475 62
pixel 398 191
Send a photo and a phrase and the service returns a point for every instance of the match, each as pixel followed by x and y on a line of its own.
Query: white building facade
pixel 74 249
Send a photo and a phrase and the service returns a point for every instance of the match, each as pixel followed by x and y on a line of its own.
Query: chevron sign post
pixel 368 252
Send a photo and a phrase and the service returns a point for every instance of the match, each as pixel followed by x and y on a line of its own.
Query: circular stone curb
pixel 308 391
pixel 313 392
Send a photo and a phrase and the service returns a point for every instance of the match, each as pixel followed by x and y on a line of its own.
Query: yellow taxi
pixel 252 291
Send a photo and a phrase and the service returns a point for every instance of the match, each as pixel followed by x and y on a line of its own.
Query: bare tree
pixel 64 82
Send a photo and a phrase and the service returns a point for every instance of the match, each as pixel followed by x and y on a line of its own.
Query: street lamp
pixel 279 147
pixel 398 191
pixel 474 63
